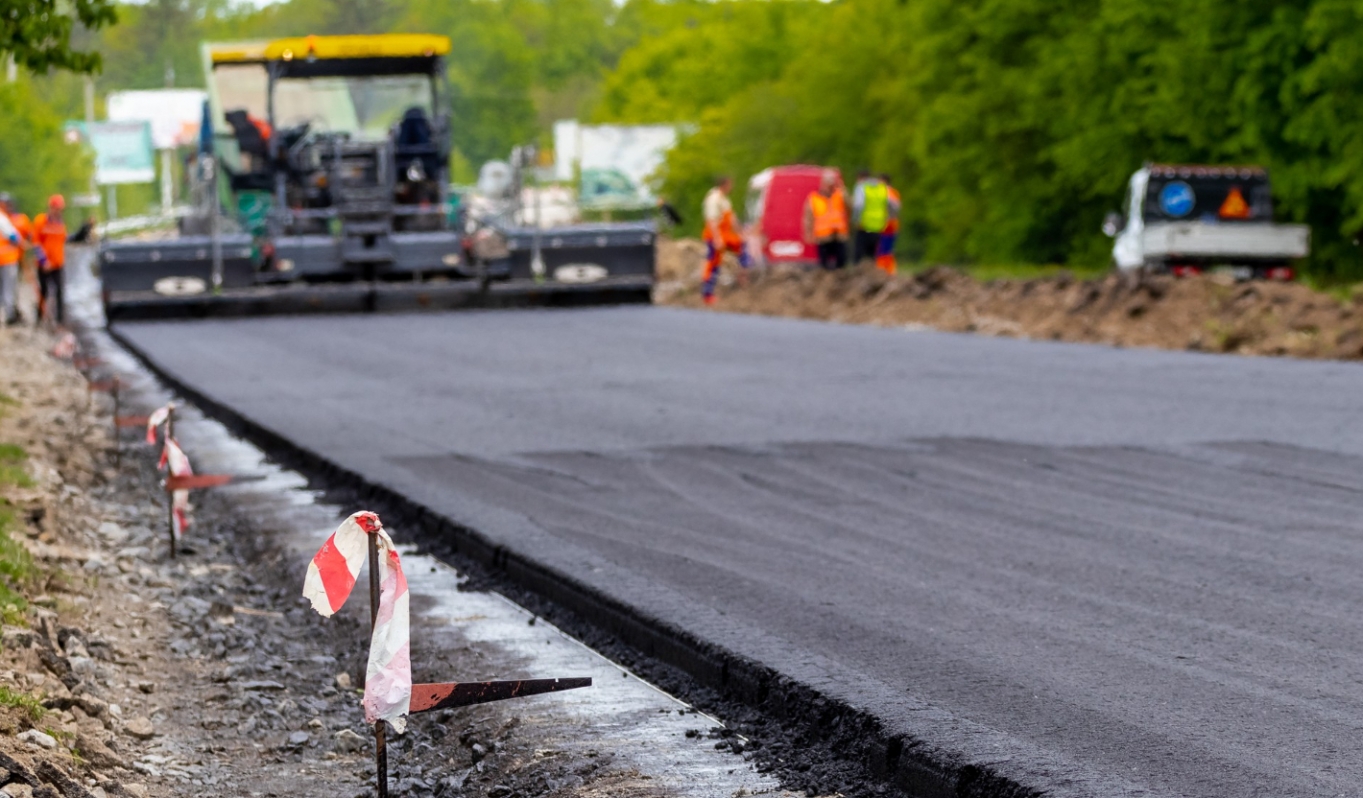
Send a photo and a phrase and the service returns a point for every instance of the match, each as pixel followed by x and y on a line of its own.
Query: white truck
pixel 1185 219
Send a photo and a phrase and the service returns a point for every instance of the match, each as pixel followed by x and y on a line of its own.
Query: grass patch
pixel 1345 292
pixel 12 466
pixel 28 703
pixel 17 566
pixel 17 570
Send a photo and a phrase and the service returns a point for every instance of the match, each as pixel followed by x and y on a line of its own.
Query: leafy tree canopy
pixel 37 33
pixel 1010 126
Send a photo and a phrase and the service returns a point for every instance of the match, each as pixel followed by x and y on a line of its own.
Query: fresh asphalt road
pixel 1097 571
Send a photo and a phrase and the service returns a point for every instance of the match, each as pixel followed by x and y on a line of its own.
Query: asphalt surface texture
pixel 1093 571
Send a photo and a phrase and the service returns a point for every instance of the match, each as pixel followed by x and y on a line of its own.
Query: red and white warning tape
pixel 174 460
pixel 331 577
pixel 156 419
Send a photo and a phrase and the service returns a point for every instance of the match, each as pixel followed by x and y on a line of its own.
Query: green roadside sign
pixel 123 150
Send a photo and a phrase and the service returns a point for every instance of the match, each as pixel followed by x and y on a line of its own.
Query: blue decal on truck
pixel 1176 199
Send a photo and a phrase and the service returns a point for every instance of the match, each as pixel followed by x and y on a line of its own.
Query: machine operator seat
pixel 415 142
pixel 255 151
pixel 247 133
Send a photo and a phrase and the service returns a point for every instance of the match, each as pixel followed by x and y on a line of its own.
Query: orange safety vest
pixel 50 234
pixel 728 231
pixel 830 215
pixel 9 253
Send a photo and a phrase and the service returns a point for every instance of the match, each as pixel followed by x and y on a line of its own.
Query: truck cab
pixel 1184 218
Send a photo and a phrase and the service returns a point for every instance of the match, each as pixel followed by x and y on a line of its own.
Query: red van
pixel 775 212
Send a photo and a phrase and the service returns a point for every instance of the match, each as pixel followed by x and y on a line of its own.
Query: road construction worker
pixel 10 253
pixel 15 238
pixel 885 249
pixel 825 221
pixel 721 236
pixel 870 214
pixel 49 232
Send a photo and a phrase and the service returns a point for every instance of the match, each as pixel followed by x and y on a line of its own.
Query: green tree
pixel 35 158
pixel 37 33
pixel 156 45
pixel 1011 126
pixel 491 72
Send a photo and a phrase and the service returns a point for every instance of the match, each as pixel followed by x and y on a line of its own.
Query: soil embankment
pixel 1209 313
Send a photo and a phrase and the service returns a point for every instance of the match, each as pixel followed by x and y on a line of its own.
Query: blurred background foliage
pixel 1010 126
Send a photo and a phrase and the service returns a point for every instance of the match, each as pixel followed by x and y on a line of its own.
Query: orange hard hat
pixel 56 202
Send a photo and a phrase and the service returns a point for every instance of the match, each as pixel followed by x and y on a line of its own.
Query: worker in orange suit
pixel 721 236
pixel 885 247
pixel 21 222
pixel 17 240
pixel 825 221
pixel 49 233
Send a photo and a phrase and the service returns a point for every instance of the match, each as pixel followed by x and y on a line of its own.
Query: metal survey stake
pixel 380 743
pixel 447 695
pixel 120 422
pixel 170 494
pixel 118 442
pixel 97 386
pixel 180 477
pixel 333 574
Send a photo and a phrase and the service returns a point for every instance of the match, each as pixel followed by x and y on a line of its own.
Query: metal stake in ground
pixel 380 743
pixel 100 386
pixel 332 576
pixel 121 421
pixel 118 443
pixel 170 495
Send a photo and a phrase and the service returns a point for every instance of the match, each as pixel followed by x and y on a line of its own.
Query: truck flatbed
pixel 1244 241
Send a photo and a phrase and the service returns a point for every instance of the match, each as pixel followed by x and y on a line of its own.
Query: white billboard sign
pixel 174 114
pixel 629 153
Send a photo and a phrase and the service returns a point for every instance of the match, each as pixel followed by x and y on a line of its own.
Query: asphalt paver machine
pixel 325 159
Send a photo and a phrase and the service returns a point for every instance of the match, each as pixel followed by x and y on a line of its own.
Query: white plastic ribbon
pixel 176 463
pixel 158 417
pixel 330 580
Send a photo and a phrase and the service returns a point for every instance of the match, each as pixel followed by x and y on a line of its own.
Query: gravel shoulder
pixel 157 677
pixel 130 673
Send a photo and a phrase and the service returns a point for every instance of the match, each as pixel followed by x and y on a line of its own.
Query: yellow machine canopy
pixel 361 85
pixel 389 45
pixel 321 56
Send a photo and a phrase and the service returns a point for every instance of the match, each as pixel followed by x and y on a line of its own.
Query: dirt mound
pixel 1207 313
